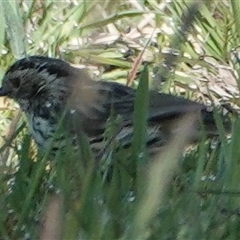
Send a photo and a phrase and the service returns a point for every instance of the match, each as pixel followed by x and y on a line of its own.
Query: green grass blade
pixel 140 117
pixel 14 27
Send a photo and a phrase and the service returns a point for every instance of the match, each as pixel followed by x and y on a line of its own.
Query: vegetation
pixel 191 49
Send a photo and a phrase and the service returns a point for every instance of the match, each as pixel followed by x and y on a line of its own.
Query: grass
pixel 178 194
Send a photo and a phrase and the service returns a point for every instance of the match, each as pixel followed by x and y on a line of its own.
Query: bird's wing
pixel 161 106
pixel 90 111
pixel 108 99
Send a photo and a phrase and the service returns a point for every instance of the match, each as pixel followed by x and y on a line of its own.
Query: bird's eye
pixel 15 82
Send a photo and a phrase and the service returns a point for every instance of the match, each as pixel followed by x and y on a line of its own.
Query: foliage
pixel 191 49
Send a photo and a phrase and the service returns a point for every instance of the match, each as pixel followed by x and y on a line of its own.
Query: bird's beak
pixel 4 91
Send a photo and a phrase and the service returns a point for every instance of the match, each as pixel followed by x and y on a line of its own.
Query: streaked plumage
pixel 47 88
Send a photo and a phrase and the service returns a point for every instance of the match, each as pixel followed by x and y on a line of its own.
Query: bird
pixel 51 92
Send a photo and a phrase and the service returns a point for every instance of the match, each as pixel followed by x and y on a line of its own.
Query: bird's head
pixel 37 80
pixel 33 76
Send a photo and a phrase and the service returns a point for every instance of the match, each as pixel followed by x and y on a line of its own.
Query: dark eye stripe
pixel 15 82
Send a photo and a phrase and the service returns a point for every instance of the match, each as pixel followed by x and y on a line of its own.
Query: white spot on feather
pixel 48 104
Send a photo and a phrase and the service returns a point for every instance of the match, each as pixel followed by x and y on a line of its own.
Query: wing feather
pixel 108 99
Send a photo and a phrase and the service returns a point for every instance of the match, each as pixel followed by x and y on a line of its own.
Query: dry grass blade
pixel 8 136
pixel 51 225
pixel 137 63
pixel 159 175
